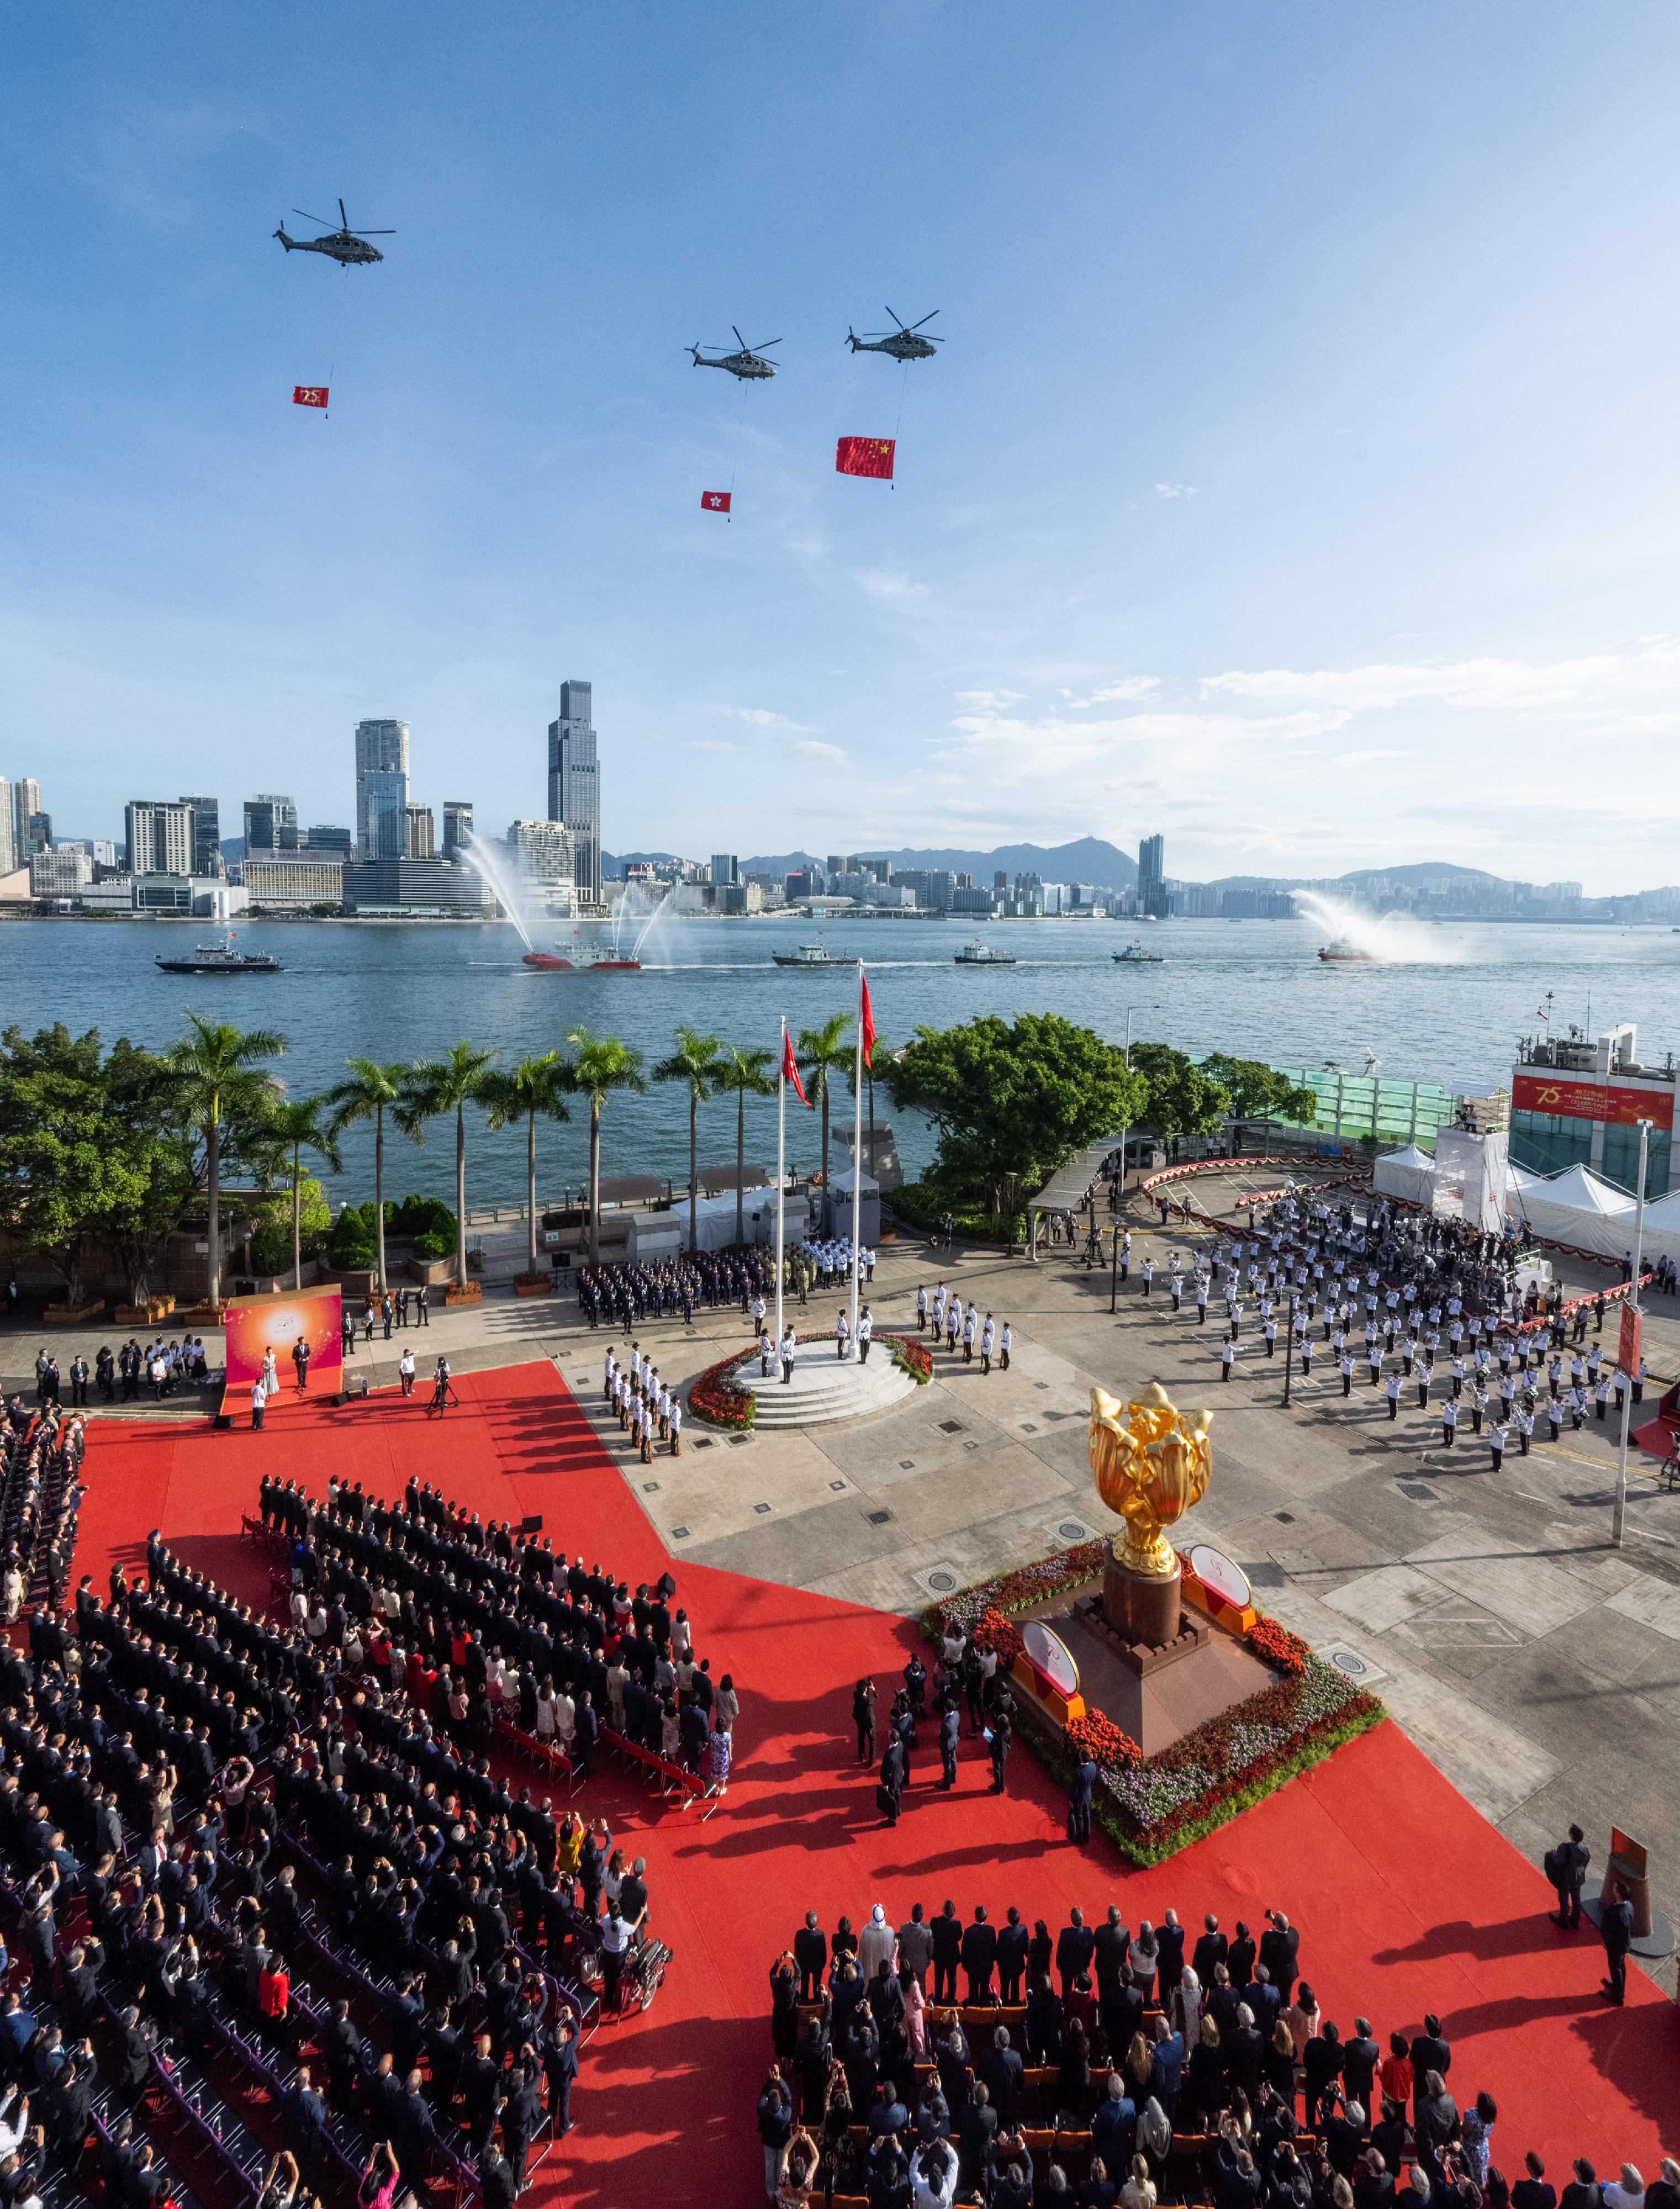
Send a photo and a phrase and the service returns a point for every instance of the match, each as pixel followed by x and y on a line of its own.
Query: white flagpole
pixel 857 1158
pixel 781 1166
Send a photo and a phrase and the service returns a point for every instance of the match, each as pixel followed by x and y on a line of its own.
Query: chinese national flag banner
pixel 308 394
pixel 716 501
pixel 789 1071
pixel 1627 1349
pixel 865 1017
pixel 864 456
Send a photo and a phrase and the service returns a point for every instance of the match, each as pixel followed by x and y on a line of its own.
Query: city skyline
pixel 1299 445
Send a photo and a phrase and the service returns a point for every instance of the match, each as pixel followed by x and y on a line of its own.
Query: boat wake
pixel 1388 939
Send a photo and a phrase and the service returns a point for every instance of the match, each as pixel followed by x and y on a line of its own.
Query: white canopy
pixel 1409 1173
pixel 1580 1207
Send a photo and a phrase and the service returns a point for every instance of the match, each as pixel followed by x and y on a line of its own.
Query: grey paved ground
pixel 1537 1666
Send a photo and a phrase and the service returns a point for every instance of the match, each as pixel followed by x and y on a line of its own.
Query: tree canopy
pixel 1182 1100
pixel 1013 1100
pixel 1260 1092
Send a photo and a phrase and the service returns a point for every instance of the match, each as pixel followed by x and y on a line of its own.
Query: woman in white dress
pixel 270 1373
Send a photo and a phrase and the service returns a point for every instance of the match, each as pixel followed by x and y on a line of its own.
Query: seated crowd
pixel 940 2062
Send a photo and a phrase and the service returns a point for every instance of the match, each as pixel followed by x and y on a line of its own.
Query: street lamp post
pixel 1289 1351
pixel 1114 1271
pixel 1126 1125
pixel 1618 1523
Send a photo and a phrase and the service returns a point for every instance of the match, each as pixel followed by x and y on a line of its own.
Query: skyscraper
pixel 421 832
pixel 9 860
pixel 1151 876
pixel 158 836
pixel 25 801
pixel 382 789
pixel 457 825
pixel 206 834
pixel 725 867
pixel 574 784
pixel 271 823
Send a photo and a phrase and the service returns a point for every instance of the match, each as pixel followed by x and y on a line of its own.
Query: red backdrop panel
pixel 258 1323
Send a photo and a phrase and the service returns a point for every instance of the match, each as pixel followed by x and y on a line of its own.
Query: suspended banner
pixel 716 501
pixel 308 394
pixel 865 456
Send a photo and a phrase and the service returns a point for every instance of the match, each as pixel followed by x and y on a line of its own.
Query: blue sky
pixel 1298 477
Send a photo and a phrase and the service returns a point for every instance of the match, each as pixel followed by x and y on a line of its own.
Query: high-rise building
pixel 271 823
pixel 422 834
pixel 158 836
pixel 9 860
pixel 457 825
pixel 40 833
pixel 206 834
pixel 1151 877
pixel 26 801
pixel 322 836
pixel 544 852
pixel 574 784
pixel 725 867
pixel 382 789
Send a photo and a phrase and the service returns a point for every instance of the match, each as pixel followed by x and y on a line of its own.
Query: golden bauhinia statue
pixel 1150 1467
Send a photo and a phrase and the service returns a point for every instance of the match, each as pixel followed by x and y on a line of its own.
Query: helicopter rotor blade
pixel 373 233
pixel 308 217
pixel 926 318
pixel 896 318
pixel 765 346
pixel 740 340
pixel 343 218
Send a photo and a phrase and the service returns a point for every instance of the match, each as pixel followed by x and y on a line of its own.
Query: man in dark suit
pixel 1373 2183
pixel 977 2139
pixel 306 2117
pixel 1075 1946
pixel 1360 2058
pixel 811 1954
pixel 1533 2191
pixel 1001 2068
pixel 950 1731
pixel 1428 2052
pixel 1240 1957
pixel 1079 1800
pixel 1169 1956
pixel 1583 2191
pixel 946 1929
pixel 1013 1941
pixel 1566 1868
pixel 1615 1924
pixel 1278 1947
pixel 1211 1948
pixel 979 1956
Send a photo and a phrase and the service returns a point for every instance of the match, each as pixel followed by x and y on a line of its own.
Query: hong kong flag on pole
pixel 308 394
pixel 716 501
pixel 865 456
pixel 790 1069
pixel 865 1017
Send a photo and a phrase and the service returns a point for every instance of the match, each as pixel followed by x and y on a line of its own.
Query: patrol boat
pixel 222 959
pixel 813 955
pixel 984 955
pixel 1135 956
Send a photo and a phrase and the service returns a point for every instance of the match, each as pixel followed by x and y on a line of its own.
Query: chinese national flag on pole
pixel 1628 1349
pixel 865 456
pixel 789 1071
pixel 716 501
pixel 308 394
pixel 865 1016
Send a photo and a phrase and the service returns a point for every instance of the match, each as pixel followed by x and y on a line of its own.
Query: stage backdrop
pixel 258 1323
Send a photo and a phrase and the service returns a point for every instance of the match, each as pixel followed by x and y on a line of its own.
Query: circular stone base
pixel 824 1389
pixel 1141 1607
pixel 1651 1947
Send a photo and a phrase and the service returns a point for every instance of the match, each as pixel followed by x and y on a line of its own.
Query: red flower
pixel 1097 1736
pixel 994 1631
pixel 1276 1645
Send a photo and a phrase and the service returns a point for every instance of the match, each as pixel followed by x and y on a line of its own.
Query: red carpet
pixel 1408 1899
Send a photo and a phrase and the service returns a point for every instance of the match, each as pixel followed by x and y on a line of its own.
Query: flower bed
pixel 1153 1806
pixel 915 1357
pixel 715 1399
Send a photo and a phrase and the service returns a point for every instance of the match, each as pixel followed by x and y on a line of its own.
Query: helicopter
pixel 903 344
pixel 343 244
pixel 746 364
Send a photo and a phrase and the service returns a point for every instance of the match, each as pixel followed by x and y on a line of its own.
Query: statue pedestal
pixel 1142 1608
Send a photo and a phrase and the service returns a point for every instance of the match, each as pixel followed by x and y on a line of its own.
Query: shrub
pixel 421 1215
pixel 924 1204
pixel 271 1248
pixel 435 1246
pixel 350 1247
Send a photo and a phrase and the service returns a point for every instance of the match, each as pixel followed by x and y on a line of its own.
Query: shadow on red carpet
pixel 1407 1899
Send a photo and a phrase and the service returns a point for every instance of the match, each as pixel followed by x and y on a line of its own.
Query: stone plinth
pixel 1142 1608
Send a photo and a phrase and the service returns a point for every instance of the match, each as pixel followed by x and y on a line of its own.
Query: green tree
pixel 1259 1091
pixel 294 1125
pixel 373 1090
pixel 822 1053
pixel 535 1087
pixel 741 1071
pixel 695 1062
pixel 435 1087
pixel 598 1067
pixel 215 1069
pixel 1012 1101
pixel 1183 1100
pixel 145 1108
pixel 882 1050
pixel 68 1165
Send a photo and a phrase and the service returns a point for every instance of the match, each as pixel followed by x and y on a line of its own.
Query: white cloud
pixel 1177 491
pixel 756 717
pixel 891 585
pixel 829 755
pixel 984 702
pixel 1590 689
pixel 712 744
pixel 1134 686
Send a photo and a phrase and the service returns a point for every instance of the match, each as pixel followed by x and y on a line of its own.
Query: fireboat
pixel 587 958
pixel 1343 953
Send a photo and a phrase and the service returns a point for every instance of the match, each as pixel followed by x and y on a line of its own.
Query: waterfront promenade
pixel 1536 1667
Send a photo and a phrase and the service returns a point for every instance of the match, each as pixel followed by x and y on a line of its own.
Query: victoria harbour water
pixel 1442 1004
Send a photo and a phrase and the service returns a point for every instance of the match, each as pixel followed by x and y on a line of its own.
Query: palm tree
pixel 372 1090
pixel 742 1071
pixel 534 1086
pixel 696 1061
pixel 598 1065
pixel 294 1124
pixel 214 1078
pixel 432 1087
pixel 822 1053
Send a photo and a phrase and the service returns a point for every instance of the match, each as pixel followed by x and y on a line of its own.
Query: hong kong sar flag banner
pixel 864 456
pixel 308 394
pixel 716 501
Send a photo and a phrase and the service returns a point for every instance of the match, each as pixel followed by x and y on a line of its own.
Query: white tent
pixel 1409 1173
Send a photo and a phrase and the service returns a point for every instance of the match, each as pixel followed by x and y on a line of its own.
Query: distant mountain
pixel 1090 859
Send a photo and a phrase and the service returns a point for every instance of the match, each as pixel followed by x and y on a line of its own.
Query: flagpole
pixel 857 1158
pixel 782 1164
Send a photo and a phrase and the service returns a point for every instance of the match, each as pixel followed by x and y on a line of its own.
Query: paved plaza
pixel 1536 1665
